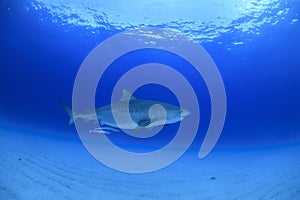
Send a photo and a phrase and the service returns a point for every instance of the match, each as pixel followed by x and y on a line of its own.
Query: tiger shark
pixel 130 113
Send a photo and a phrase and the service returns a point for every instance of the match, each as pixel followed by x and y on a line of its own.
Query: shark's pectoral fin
pixel 154 123
pixel 144 122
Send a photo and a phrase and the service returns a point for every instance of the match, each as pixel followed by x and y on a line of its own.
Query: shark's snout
pixel 185 112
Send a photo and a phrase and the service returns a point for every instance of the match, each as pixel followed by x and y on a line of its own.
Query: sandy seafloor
pixel 44 167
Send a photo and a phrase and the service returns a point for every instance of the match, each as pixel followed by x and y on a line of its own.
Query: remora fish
pixel 143 114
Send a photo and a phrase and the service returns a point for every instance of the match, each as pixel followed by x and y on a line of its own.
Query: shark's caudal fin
pixel 70 113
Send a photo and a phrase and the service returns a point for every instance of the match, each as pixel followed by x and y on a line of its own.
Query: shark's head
pixel 184 113
pixel 175 114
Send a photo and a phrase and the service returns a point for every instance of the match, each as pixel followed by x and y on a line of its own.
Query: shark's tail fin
pixel 69 112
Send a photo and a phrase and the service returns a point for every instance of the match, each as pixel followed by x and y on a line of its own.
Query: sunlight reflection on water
pixel 201 20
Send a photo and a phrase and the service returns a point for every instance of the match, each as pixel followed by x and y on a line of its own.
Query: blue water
pixel 255 45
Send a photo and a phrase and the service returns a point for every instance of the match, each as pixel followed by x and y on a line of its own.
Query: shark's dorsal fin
pixel 126 96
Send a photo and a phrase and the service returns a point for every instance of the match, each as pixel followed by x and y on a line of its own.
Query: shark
pixel 143 114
